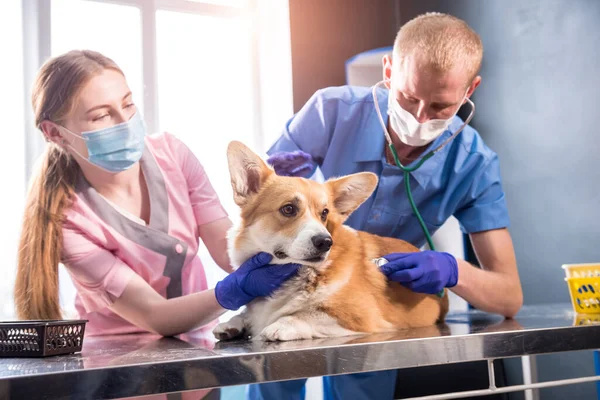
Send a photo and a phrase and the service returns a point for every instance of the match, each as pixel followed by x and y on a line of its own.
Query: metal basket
pixel 41 338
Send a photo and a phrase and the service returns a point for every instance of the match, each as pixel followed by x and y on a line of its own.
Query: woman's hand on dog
pixel 422 272
pixel 254 278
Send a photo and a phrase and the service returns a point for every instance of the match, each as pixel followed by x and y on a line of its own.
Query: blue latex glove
pixel 254 278
pixel 295 163
pixel 423 272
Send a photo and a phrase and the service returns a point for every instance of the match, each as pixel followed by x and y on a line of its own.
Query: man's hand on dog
pixel 294 163
pixel 422 272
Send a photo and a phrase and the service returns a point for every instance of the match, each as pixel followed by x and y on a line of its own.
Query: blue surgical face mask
pixel 116 148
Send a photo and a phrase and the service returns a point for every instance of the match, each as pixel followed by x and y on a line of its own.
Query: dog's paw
pixel 232 329
pixel 286 328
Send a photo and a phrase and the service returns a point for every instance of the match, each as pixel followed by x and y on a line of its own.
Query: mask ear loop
pixel 66 143
pixel 463 126
pixel 376 103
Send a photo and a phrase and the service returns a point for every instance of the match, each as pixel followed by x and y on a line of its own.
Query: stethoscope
pixel 408 170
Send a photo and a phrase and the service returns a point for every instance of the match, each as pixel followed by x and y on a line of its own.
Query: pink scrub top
pixel 103 247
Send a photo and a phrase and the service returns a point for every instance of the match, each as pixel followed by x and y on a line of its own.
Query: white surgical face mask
pixel 412 132
pixel 115 148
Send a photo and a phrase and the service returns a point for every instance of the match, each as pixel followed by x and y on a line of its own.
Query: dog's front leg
pixel 235 328
pixel 303 325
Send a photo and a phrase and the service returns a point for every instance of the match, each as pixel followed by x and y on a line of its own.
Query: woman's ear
pixel 52 133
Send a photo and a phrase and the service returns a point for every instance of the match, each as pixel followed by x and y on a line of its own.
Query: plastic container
pixel 41 338
pixel 586 319
pixel 584 286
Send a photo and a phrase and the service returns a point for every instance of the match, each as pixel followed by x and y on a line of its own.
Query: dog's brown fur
pixel 368 301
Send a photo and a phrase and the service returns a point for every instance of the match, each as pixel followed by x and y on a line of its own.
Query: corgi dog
pixel 338 290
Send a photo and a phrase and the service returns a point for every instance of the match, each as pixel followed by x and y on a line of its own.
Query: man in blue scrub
pixel 433 71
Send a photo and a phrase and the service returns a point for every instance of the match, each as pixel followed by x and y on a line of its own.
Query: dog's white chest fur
pixel 292 297
pixel 291 313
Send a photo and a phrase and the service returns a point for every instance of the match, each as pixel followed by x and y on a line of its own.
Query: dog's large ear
pixel 351 191
pixel 248 171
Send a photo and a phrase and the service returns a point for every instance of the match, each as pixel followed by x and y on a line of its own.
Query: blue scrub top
pixel 340 129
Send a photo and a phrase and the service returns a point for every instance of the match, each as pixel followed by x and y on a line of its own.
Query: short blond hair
pixel 442 42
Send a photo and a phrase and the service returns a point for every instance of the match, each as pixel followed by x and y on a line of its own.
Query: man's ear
pixel 386 63
pixel 351 191
pixel 247 170
pixel 474 84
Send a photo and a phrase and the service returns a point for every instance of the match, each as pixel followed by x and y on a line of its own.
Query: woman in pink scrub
pixel 124 213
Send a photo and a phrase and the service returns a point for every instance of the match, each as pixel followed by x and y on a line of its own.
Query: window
pixel 205 88
pixel 12 106
pixel 205 93
pixel 82 25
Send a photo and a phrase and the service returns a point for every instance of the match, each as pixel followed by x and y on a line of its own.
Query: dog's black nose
pixel 322 242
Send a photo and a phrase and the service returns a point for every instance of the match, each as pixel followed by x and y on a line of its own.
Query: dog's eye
pixel 324 214
pixel 289 210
